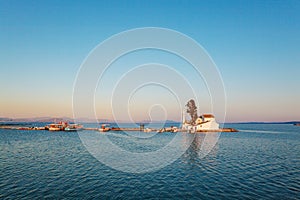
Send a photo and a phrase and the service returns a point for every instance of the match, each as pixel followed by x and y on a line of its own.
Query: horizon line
pixel 32 119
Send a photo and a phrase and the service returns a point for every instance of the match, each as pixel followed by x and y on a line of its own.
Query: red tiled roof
pixel 208 116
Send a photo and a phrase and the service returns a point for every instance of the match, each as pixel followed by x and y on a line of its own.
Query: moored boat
pixel 172 129
pixel 57 127
pixel 73 127
pixel 104 128
pixel 147 130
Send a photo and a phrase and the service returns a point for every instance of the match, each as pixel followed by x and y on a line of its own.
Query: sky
pixel 254 44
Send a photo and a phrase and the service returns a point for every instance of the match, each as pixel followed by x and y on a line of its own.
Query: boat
pixel 73 127
pixel 172 129
pixel 55 127
pixel 104 128
pixel 162 130
pixel 147 130
pixel 38 128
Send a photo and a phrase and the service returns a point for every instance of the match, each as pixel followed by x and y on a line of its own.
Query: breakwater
pixel 118 129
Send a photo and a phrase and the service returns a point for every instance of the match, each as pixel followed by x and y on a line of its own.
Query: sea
pixel 261 161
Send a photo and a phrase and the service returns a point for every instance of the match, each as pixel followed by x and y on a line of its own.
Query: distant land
pixel 45 119
pixel 289 122
pixel 88 120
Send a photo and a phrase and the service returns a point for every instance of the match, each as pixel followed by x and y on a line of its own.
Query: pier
pixel 119 129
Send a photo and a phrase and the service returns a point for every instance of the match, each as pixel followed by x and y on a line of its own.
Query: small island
pixel 202 123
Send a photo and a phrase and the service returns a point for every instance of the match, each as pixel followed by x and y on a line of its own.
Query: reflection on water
pixel 201 144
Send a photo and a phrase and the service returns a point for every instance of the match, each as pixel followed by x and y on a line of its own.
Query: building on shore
pixel 205 122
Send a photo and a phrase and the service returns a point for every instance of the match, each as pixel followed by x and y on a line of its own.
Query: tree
pixel 191 108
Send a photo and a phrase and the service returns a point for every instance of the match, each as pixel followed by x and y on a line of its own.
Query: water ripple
pixel 251 164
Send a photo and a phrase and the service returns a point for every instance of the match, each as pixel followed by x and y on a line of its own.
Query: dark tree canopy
pixel 191 108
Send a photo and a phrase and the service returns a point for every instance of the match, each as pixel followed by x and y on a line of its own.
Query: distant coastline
pixel 81 120
pixel 288 122
pixel 87 120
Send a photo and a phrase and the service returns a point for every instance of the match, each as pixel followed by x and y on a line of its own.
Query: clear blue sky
pixel 255 44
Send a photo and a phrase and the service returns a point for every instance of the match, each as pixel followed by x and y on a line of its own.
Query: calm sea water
pixel 260 162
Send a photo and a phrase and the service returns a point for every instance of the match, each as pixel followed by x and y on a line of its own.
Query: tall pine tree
pixel 191 108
